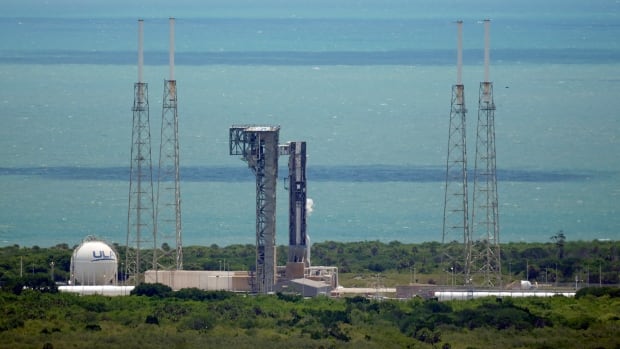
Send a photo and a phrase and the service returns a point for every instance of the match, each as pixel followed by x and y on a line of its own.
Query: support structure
pixel 485 210
pixel 258 146
pixel 141 212
pixel 298 257
pixel 168 213
pixel 455 238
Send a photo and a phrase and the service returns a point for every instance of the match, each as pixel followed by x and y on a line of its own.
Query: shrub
pixel 612 292
pixel 152 290
pixel 151 319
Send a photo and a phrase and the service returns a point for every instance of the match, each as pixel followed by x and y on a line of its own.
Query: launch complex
pixel 154 211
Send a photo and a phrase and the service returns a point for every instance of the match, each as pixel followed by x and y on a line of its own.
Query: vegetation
pixel 194 318
pixel 557 261
pixel 34 315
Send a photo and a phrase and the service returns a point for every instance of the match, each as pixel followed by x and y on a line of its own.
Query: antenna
pixel 459 52
pixel 456 216
pixel 140 49
pixel 171 48
pixel 141 213
pixel 486 258
pixel 487 45
pixel 168 212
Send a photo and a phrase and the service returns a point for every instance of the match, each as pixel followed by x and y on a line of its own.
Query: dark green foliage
pixel 151 319
pixel 289 297
pixel 152 290
pixel 612 292
pixel 197 322
pixel 34 318
pixel 92 327
pixel 501 316
pixel 201 295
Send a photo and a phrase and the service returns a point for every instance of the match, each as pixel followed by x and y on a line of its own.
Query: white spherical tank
pixel 94 263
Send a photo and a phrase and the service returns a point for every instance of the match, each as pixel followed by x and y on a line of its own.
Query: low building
pixel 235 281
pixel 305 287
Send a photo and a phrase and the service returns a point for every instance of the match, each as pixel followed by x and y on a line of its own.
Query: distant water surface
pixel 367 86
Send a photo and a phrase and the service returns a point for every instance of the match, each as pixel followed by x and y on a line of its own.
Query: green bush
pixel 612 292
pixel 152 290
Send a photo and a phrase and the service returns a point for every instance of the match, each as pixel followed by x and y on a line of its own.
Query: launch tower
pixel 485 215
pixel 456 255
pixel 258 146
pixel 141 213
pixel 168 213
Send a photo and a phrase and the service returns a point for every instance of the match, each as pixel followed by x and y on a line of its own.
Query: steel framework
pixel 141 212
pixel 485 213
pixel 456 256
pixel 168 213
pixel 485 210
pixel 169 232
pixel 258 146
pixel 455 237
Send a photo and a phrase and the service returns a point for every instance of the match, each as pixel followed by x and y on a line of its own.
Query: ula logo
pixel 101 256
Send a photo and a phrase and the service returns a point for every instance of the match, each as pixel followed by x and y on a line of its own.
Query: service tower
pixel 258 146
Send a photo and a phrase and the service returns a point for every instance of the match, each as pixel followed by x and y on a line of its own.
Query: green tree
pixel 560 240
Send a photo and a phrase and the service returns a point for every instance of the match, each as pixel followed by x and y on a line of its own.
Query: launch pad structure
pixel 470 252
pixel 258 146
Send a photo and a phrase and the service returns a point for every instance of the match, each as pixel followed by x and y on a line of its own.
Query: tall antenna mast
pixel 140 49
pixel 459 53
pixel 169 230
pixel 456 256
pixel 141 213
pixel 485 210
pixel 171 54
pixel 487 48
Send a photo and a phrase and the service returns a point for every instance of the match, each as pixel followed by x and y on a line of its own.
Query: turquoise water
pixel 367 86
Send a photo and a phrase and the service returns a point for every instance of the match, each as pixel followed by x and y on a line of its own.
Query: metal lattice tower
pixel 298 242
pixel 168 214
pixel 455 238
pixel 485 213
pixel 141 212
pixel 258 146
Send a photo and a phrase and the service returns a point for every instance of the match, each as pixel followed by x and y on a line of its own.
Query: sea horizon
pixel 367 87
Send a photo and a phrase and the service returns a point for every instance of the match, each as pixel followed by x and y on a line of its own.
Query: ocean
pixel 366 84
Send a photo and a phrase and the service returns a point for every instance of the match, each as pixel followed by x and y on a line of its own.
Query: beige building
pixel 209 280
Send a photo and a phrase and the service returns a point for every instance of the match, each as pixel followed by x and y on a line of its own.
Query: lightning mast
pixel 258 146
pixel 168 213
pixel 455 238
pixel 485 215
pixel 141 213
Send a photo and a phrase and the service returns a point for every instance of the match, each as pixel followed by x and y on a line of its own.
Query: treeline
pixel 558 261
pixel 156 317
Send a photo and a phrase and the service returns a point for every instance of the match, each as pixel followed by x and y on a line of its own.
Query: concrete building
pixel 306 287
pixel 235 281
